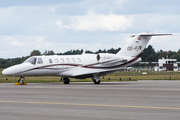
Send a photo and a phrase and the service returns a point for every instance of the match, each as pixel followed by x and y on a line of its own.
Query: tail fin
pixel 138 43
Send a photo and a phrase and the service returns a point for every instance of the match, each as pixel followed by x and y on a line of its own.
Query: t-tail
pixel 136 46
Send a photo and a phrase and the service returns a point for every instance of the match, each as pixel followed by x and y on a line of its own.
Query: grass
pixel 124 76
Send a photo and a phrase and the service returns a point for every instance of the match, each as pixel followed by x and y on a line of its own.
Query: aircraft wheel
pixel 20 81
pixel 95 82
pixel 66 80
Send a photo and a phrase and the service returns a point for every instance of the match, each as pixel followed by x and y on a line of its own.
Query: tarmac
pixel 129 100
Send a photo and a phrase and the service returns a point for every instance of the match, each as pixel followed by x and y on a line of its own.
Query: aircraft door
pixel 50 63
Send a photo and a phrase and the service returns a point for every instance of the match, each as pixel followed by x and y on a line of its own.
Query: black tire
pixel 66 80
pixel 21 82
pixel 95 82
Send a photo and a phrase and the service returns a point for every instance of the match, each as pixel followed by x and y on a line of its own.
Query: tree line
pixel 4 63
pixel 149 55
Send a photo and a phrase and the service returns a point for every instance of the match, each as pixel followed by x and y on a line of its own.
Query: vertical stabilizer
pixel 137 44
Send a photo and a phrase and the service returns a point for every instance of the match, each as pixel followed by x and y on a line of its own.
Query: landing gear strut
pixel 65 80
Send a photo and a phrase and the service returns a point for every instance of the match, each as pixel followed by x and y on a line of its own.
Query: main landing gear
pixel 96 82
pixel 96 79
pixel 65 80
pixel 21 81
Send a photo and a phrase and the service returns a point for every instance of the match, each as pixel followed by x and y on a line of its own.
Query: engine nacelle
pixel 103 57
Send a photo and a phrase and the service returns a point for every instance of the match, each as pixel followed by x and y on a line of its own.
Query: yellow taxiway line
pixel 97 105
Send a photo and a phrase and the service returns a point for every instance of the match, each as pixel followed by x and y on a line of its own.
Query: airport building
pixel 166 65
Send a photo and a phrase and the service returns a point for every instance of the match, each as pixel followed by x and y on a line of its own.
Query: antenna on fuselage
pixel 84 51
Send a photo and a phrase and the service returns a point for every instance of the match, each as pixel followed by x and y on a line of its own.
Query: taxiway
pixel 130 100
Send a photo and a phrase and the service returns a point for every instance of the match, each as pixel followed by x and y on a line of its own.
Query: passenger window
pixel 50 61
pixel 31 60
pixel 56 60
pixel 78 60
pixel 40 61
pixel 62 60
pixel 67 60
pixel 73 60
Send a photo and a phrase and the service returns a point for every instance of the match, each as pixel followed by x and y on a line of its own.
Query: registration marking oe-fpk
pixel 136 48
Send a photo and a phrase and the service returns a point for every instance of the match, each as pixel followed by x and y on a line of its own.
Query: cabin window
pixel 78 60
pixel 62 60
pixel 67 60
pixel 50 61
pixel 56 60
pixel 73 60
pixel 40 61
pixel 31 60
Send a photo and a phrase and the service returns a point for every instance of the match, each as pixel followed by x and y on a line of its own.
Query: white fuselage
pixel 77 66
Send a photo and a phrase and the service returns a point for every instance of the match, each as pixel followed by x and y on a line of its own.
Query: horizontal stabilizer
pixel 151 34
pixel 154 34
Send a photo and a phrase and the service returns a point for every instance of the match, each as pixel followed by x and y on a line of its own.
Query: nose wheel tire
pixel 21 81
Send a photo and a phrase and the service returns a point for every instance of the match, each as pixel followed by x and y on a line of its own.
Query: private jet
pixel 85 65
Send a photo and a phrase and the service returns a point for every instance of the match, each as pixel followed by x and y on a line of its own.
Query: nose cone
pixel 10 71
pixel 4 72
pixel 7 71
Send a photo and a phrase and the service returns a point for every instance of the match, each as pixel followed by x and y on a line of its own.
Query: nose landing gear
pixel 21 81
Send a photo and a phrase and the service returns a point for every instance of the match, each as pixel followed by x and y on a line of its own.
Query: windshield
pixel 31 60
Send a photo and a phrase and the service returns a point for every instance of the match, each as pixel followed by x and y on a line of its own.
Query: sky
pixel 63 25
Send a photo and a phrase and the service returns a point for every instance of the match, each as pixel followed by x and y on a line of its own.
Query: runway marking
pixel 97 105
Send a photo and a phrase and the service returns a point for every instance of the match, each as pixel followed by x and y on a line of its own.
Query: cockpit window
pixel 40 61
pixel 31 60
